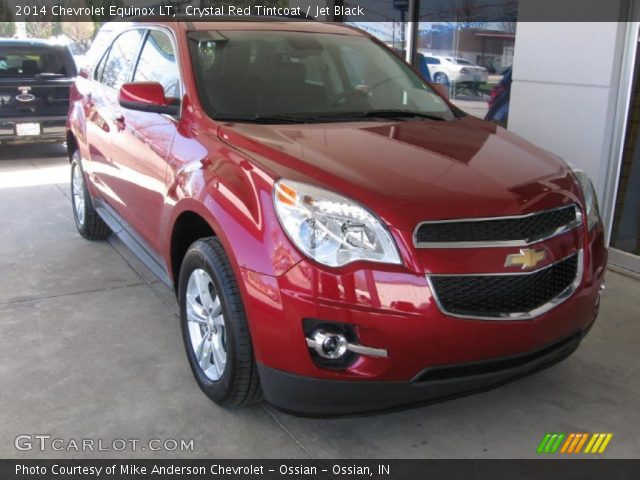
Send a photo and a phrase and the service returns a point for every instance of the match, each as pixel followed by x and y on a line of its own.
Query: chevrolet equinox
pixel 340 237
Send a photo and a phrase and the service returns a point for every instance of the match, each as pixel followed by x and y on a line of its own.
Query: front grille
pixel 515 296
pixel 521 230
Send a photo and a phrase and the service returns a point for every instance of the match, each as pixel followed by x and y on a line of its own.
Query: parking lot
pixel 90 347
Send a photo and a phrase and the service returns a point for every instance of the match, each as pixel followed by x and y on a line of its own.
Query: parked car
pixel 35 78
pixel 454 70
pixel 499 100
pixel 339 236
pixel 421 64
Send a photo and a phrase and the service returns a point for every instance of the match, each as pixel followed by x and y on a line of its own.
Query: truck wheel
pixel 214 327
pixel 88 222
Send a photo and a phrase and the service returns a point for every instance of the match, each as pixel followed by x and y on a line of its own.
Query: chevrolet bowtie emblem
pixel 527 258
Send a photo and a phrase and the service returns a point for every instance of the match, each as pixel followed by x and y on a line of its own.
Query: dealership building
pixel 574 84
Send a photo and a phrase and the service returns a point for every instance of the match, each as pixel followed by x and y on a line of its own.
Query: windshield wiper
pixel 383 114
pixel 324 117
pixel 271 119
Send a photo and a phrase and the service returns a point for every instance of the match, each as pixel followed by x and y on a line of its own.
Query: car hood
pixel 413 171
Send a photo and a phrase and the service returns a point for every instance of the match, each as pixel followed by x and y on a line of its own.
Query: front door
pixel 142 141
pixel 101 107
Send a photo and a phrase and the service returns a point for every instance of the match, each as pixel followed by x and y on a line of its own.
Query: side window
pixel 157 63
pixel 97 75
pixel 118 61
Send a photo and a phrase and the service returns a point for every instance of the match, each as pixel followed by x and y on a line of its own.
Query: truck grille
pixel 499 231
pixel 507 296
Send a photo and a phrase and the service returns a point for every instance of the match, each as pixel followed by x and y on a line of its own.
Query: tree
pixel 79 32
pixel 7 27
pixel 39 29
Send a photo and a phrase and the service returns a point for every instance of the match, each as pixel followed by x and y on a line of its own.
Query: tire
pixel 441 77
pixel 88 222
pixel 214 327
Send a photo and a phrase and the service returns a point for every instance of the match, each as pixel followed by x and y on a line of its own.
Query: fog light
pixel 328 344
pixel 336 345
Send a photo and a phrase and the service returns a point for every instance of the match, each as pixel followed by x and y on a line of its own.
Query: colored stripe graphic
pixel 567 443
pixel 581 443
pixel 543 443
pixel 556 445
pixel 598 443
pixel 550 443
pixel 605 444
pixel 573 443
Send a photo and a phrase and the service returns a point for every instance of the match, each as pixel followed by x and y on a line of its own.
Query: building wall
pixel 564 91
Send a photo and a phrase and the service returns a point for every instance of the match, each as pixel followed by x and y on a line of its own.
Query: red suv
pixel 339 236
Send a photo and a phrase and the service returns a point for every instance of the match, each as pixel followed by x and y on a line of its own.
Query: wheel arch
pixel 72 144
pixel 188 226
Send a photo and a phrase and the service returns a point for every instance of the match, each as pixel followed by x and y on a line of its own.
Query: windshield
pixel 462 61
pixel 34 61
pixel 243 75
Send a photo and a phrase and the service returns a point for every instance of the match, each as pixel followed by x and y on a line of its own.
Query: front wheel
pixel 88 222
pixel 214 327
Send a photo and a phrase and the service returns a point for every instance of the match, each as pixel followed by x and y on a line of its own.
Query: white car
pixel 451 69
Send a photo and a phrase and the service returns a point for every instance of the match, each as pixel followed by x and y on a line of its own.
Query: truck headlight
pixel 590 199
pixel 330 228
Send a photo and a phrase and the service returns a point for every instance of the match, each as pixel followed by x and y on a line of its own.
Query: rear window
pixel 35 61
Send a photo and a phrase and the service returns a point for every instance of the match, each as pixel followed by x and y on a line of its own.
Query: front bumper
pixel 393 308
pixel 314 397
pixel 52 129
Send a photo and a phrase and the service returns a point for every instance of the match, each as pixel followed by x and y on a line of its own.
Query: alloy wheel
pixel 205 321
pixel 78 194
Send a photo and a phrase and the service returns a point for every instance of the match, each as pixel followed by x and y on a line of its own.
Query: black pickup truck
pixel 35 77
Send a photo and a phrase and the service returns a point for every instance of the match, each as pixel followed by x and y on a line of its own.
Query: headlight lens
pixel 590 198
pixel 330 228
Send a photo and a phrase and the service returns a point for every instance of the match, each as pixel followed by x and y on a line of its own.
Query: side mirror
pixel 146 97
pixel 442 89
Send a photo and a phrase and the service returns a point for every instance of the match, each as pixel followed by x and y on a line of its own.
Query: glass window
pixel 118 61
pixel 275 73
pixel 23 61
pixel 475 55
pixel 157 63
pixel 625 234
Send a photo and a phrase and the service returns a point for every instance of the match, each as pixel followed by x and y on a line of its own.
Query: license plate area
pixel 27 129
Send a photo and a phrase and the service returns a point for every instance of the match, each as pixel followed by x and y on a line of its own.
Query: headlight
pixel 590 198
pixel 330 228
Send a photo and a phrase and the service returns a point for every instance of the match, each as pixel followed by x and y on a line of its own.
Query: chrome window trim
pixel 145 28
pixel 499 243
pixel 174 43
pixel 542 309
